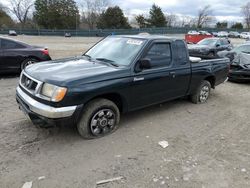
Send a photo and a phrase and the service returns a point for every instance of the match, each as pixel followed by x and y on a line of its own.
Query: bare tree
pixel 204 16
pixel 171 20
pixel 186 21
pixel 21 8
pixel 246 13
pixel 91 11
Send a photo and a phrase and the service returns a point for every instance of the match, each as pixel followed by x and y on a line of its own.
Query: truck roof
pixel 149 37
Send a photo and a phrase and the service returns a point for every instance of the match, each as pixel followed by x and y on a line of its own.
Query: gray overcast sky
pixel 223 9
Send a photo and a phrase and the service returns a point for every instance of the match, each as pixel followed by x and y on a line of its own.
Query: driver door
pixel 154 85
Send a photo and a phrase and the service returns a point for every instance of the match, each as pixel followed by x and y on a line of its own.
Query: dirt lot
pixel 208 144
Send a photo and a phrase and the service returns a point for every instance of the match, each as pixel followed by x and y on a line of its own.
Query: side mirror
pixel 142 64
pixel 217 45
pixel 145 63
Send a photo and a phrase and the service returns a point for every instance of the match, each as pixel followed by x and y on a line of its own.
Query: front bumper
pixel 239 75
pixel 44 115
pixel 42 109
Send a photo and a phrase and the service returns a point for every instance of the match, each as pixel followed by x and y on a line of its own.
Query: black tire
pixel 27 62
pixel 91 118
pixel 211 55
pixel 200 96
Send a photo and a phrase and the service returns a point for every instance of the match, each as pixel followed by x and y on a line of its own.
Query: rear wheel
pixel 202 93
pixel 99 118
pixel 27 62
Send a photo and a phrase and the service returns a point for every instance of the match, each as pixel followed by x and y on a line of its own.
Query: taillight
pixel 45 51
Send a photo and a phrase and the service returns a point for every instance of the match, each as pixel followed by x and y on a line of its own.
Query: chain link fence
pixel 106 32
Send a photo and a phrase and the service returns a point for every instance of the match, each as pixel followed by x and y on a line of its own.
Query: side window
pixel 224 42
pixel 7 44
pixel 160 55
pixel 219 42
pixel 181 52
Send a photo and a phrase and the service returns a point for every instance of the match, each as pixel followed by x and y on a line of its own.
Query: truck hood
pixel 62 72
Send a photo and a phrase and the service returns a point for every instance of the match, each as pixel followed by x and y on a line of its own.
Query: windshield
pixel 243 48
pixel 118 50
pixel 209 42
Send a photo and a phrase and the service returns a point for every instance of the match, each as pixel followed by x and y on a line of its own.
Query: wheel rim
pixel 102 122
pixel 29 63
pixel 204 93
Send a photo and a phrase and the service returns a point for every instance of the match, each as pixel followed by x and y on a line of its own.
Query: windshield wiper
pixel 87 56
pixel 107 61
pixel 245 52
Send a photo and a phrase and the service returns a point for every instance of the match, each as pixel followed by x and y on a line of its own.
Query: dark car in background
pixel 240 62
pixel 231 54
pixel 208 48
pixel 240 68
pixel 16 55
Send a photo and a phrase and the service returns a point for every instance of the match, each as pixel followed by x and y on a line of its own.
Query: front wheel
pixel 202 93
pixel 99 118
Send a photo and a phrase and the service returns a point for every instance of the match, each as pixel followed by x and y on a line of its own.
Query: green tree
pixel 56 14
pixel 156 17
pixel 5 19
pixel 113 18
pixel 221 25
pixel 237 25
pixel 141 21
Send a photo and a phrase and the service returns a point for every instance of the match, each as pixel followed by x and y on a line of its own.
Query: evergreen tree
pixel 156 17
pixel 56 14
pixel 141 21
pixel 113 18
pixel 237 25
pixel 5 19
pixel 221 25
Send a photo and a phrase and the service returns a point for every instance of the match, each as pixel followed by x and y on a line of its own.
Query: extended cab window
pixel 8 44
pixel 181 52
pixel 159 55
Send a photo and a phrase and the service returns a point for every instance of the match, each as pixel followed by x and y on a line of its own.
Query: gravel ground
pixel 208 143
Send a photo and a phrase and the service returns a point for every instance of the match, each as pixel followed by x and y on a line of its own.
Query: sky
pixel 223 10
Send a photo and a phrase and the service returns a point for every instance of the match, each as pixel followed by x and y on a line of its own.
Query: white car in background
pixel 223 34
pixel 12 33
pixel 193 33
pixel 204 33
pixel 245 35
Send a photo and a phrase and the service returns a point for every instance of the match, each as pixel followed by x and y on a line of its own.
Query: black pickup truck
pixel 117 75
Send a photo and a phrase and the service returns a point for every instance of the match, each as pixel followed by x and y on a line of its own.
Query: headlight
pixel 54 93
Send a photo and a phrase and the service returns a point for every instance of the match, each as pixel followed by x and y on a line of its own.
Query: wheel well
pixel 114 97
pixel 211 79
pixel 33 57
pixel 29 57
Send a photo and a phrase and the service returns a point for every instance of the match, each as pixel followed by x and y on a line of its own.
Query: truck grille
pixel 29 84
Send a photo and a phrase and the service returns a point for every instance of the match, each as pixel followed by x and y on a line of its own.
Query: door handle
pixel 172 74
pixel 136 79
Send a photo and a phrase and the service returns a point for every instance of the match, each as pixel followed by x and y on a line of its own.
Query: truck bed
pixel 218 67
